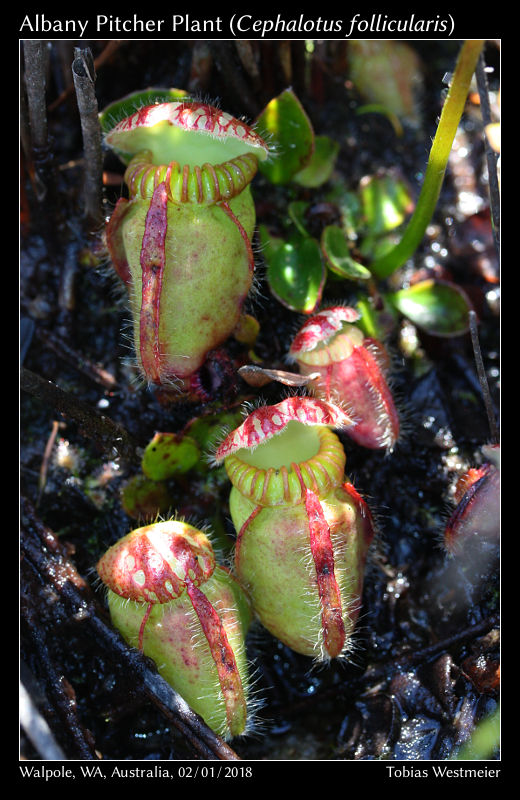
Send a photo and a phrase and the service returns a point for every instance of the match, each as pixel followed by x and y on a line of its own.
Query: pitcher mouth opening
pixel 277 471
pixel 177 128
pixel 203 155
pixel 296 443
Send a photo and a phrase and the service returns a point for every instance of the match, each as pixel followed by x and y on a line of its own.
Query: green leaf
pixel 388 73
pixel 438 307
pixel 208 430
pixel 349 205
pixel 143 498
pixel 296 211
pixel 287 130
pixel 385 202
pixel 484 741
pixel 169 454
pixel 337 253
pixel 128 105
pixel 373 247
pixel 295 271
pixel 320 167
pixel 270 244
pixel 369 322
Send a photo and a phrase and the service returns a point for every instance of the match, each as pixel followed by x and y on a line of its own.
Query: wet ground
pixel 424 669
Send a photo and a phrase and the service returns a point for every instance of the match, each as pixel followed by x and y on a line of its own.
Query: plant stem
pixel 369 318
pixel 491 156
pixel 481 372
pixel 437 162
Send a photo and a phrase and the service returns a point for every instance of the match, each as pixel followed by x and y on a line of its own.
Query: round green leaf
pixel 374 247
pixel 438 307
pixel 385 202
pixel 337 253
pixel 169 454
pixel 287 129
pixel 143 498
pixel 295 273
pixel 388 73
pixel 296 211
pixel 270 244
pixel 319 169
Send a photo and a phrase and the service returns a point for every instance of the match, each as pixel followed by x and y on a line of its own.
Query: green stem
pixel 437 162
pixel 369 318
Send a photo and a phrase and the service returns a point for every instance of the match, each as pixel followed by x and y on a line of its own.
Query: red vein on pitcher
pixel 333 627
pixel 224 658
pixel 153 260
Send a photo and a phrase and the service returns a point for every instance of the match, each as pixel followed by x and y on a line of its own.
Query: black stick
pixel 481 372
pixel 62 697
pixel 35 61
pixel 36 728
pixel 107 433
pixel 491 156
pixel 46 553
pixel 35 64
pixel 225 58
pixel 84 76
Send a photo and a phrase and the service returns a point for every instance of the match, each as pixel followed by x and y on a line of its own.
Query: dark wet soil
pixel 424 669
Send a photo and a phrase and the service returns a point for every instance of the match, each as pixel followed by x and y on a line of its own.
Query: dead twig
pixel 67 290
pixel 491 156
pixel 104 431
pixel 482 377
pixel 226 61
pixel 376 671
pixel 35 64
pixel 37 730
pixel 259 376
pixel 92 371
pixel 46 458
pixel 58 689
pixel 84 75
pixel 108 51
pixel 204 741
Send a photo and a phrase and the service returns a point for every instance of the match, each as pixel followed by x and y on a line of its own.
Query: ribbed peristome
pixel 205 185
pixel 283 486
pixel 336 348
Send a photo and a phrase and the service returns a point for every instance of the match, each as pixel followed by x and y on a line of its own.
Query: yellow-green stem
pixel 437 162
